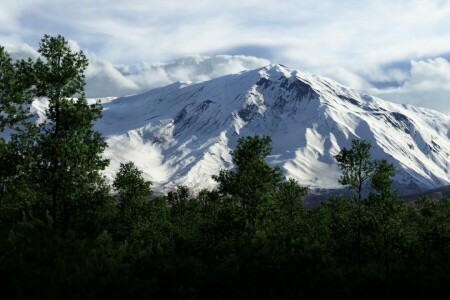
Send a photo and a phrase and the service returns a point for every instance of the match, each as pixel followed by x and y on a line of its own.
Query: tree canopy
pixel 68 232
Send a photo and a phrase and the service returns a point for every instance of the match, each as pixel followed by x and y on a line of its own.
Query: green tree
pixel 381 179
pixel 433 234
pixel 342 226
pixel 69 150
pixel 16 91
pixel 385 216
pixel 210 205
pixel 17 140
pixel 142 222
pixel 356 167
pixel 291 216
pixel 185 216
pixel 290 198
pixel 253 181
pixel 132 189
pixel 133 192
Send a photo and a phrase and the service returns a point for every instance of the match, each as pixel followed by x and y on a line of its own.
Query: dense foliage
pixel 65 232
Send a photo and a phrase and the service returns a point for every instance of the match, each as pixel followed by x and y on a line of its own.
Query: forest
pixel 65 231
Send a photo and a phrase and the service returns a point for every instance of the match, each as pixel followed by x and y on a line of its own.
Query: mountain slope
pixel 182 133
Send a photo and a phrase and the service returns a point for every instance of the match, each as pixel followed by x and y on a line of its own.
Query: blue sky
pixel 398 50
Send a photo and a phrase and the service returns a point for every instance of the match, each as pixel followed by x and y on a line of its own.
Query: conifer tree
pixel 70 151
pixel 18 133
pixel 16 91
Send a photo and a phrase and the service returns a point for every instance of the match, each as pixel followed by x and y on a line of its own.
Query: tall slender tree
pixel 16 94
pixel 357 169
pixel 70 150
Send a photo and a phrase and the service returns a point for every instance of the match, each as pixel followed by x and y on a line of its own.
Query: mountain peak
pixel 278 69
pixel 183 133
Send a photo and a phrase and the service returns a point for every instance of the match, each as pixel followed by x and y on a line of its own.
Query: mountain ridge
pixel 182 133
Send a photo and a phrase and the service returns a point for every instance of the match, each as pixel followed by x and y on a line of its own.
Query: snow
pixel 182 133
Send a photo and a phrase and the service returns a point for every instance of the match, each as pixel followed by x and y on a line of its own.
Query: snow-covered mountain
pixel 182 133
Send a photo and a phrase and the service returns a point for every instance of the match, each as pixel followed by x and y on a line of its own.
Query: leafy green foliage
pixel 356 166
pixel 253 176
pixel 142 221
pixel 132 189
pixel 65 232
pixel 254 182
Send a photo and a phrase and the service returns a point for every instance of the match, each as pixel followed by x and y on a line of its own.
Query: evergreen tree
pixel 69 157
pixel 16 91
pixel 18 136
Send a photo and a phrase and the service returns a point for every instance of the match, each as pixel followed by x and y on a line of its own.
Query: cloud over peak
pixel 106 79
pixel 421 82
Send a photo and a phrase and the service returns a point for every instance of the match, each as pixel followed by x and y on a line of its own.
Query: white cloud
pixel 201 68
pixel 302 34
pixel 425 83
pixel 354 41
pixel 74 46
pixel 428 85
pixel 431 74
pixel 21 51
pixel 105 79
pixel 348 78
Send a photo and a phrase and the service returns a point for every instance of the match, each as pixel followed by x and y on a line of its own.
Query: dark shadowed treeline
pixel 66 233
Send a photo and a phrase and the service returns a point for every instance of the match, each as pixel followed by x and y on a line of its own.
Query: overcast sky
pixel 398 50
